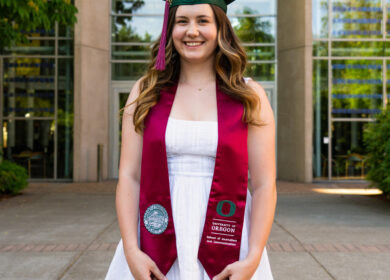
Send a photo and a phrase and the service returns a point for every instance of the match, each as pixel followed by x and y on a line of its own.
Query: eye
pixel 180 21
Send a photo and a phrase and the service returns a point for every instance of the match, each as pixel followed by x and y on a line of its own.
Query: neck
pixel 197 73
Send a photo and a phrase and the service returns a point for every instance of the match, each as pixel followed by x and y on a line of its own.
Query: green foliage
pixel 377 140
pixel 13 177
pixel 18 16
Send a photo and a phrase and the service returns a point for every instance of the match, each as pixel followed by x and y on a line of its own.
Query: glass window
pixel 359 85
pixel 137 7
pixel 65 118
pixel 39 32
pixel 37 106
pixel 388 19
pixel 261 71
pixel 28 89
pixel 127 71
pixel 30 143
pixel 66 31
pixel 136 28
pixel 348 150
pixel 320 18
pixel 320 48
pixel 34 47
pixel 360 48
pixel 65 47
pixel 356 19
pixel 255 29
pixel 123 96
pixel 131 52
pixel 320 109
pixel 260 53
pixel 356 88
pixel 387 96
pixel 257 6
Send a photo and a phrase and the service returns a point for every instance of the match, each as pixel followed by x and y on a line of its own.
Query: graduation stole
pixel 221 238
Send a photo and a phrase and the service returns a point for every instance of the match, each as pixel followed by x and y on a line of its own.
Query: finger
pixel 157 273
pixel 223 275
pixel 155 278
pixel 152 277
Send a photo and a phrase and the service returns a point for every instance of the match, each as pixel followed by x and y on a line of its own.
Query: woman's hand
pixel 142 266
pixel 239 270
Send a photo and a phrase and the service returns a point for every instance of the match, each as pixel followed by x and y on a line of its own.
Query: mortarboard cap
pixel 160 61
pixel 221 3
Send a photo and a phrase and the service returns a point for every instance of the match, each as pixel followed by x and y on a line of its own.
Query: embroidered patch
pixel 156 219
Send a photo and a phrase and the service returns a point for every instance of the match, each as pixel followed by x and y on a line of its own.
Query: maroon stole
pixel 221 238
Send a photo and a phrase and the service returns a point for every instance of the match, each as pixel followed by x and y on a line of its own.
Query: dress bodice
pixel 191 147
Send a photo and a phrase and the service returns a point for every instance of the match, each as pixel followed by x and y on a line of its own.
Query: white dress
pixel 191 148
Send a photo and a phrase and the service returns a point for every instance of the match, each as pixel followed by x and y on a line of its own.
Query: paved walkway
pixel 69 231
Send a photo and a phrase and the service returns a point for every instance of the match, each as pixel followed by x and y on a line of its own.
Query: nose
pixel 192 30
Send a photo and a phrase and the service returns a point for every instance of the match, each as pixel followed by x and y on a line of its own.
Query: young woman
pixel 193 127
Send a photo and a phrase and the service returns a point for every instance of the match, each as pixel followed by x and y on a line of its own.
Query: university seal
pixel 156 219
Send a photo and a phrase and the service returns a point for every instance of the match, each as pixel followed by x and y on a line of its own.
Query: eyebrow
pixel 201 16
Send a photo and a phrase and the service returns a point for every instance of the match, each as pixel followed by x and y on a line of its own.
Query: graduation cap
pixel 160 61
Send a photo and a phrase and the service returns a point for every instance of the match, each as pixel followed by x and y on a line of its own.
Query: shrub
pixel 13 177
pixel 376 137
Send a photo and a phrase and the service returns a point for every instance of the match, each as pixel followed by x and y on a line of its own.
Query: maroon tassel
pixel 160 61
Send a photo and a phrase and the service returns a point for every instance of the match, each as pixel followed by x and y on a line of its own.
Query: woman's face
pixel 195 32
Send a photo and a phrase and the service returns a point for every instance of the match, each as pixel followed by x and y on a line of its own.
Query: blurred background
pixel 323 63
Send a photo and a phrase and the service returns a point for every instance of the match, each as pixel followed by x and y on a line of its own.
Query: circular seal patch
pixel 156 219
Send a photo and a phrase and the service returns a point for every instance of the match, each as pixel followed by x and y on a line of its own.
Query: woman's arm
pixel 127 191
pixel 127 196
pixel 262 169
pixel 261 160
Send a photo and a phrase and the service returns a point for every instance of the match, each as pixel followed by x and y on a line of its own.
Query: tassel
pixel 160 61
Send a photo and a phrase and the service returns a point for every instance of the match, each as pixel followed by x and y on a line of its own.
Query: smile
pixel 193 44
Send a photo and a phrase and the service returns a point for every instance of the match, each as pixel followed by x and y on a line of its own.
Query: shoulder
pixel 133 96
pixel 266 113
pixel 136 90
pixel 136 87
pixel 257 87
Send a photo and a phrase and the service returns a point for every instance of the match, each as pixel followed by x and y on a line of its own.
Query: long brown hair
pixel 230 64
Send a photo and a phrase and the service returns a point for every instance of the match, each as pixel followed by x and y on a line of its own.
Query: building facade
pixel 37 99
pixel 323 64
